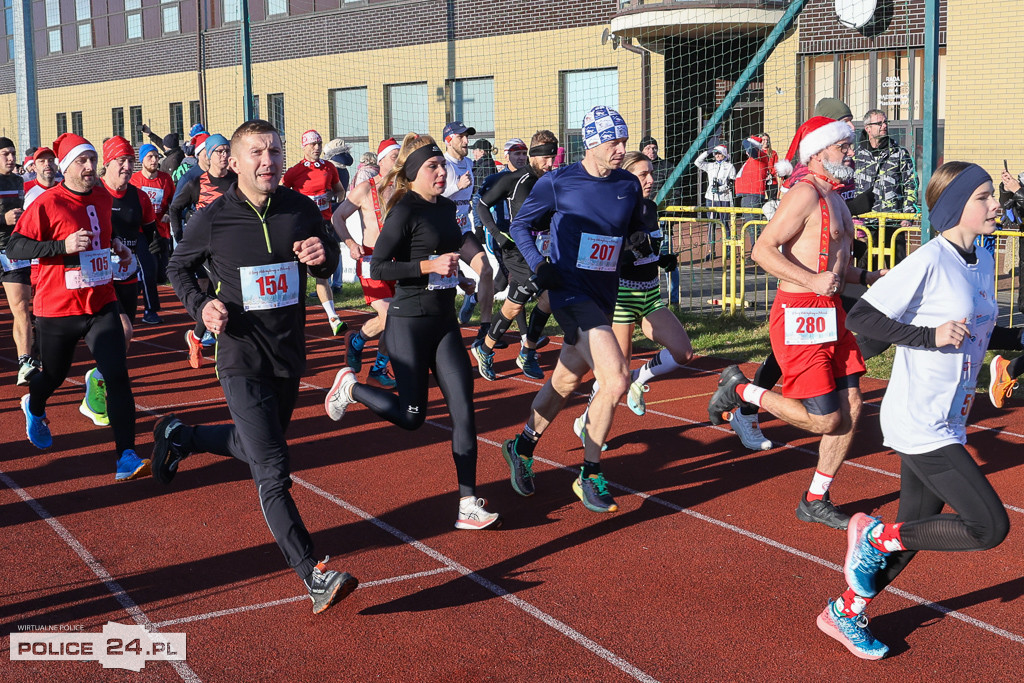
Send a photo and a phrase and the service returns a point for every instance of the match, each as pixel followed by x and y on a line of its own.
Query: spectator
pixel 1011 198
pixel 483 163
pixel 721 175
pixel 662 168
pixel 340 154
pixel 758 173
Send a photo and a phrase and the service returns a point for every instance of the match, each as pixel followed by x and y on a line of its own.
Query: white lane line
pixel 134 611
pixel 285 601
pixel 566 630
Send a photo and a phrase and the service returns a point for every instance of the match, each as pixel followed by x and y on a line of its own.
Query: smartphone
pixel 1005 167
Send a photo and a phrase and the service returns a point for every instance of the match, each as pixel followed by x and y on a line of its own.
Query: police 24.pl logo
pixel 118 646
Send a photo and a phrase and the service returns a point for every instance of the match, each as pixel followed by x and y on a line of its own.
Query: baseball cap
pixel 515 145
pixel 482 143
pixel 457 128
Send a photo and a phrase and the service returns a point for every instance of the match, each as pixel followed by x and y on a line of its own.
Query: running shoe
pixel 635 397
pixel 337 325
pixel 94 405
pixel 484 361
pixel 195 350
pixel 327 586
pixel 527 362
pixel 131 466
pixel 36 428
pixel 749 431
pixel 725 397
pixel 353 356
pixel 151 318
pixel 581 431
pixel 209 339
pixel 472 514
pixel 822 511
pixel 1000 384
pixel 381 377
pixel 852 632
pixel 466 310
pixel 593 491
pixel 339 398
pixel 520 468
pixel 167 454
pixel 27 369
pixel 863 560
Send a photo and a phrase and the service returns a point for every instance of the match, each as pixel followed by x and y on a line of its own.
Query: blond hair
pixel 396 176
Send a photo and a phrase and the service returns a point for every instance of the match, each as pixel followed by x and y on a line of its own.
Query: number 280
pixel 810 324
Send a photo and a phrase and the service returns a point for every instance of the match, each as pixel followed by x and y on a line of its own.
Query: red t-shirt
pixel 57 213
pixel 316 180
pixel 160 191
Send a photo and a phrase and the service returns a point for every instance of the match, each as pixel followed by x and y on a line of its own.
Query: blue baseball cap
pixel 457 128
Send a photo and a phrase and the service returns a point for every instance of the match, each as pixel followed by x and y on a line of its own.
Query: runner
pixel 593 206
pixel 807 245
pixel 44 163
pixel 259 238
pixel 639 299
pixel 939 305
pixel 319 181
pixel 15 274
pixel 512 189
pixel 74 297
pixel 159 187
pixel 419 249
pixel 369 199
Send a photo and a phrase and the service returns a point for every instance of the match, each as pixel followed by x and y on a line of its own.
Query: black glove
pixel 640 244
pixel 668 261
pixel 155 248
pixel 547 276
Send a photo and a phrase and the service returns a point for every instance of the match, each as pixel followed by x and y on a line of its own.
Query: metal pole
pixel 25 76
pixel 930 115
pixel 247 112
pixel 758 59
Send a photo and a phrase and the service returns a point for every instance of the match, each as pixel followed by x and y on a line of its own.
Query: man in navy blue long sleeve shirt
pixel 593 206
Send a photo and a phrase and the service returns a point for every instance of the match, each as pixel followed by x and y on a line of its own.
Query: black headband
pixel 949 207
pixel 418 158
pixel 547 149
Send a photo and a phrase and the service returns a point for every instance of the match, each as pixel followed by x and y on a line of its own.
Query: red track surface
pixel 703 574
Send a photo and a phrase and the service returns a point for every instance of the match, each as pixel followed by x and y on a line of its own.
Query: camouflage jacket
pixel 888 171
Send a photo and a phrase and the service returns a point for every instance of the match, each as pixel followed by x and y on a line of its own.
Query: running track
pixel 703 574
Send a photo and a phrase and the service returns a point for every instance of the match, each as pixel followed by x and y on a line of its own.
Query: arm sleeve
pixel 192 251
pixel 539 204
pixel 865 319
pixel 397 229
pixel 20 247
pixel 491 196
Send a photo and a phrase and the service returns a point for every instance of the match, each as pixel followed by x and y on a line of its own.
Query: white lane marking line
pixel 138 616
pixel 285 601
pixel 566 630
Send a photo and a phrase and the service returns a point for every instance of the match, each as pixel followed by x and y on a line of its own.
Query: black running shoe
pixel 822 511
pixel 327 586
pixel 725 398
pixel 166 454
pixel 521 468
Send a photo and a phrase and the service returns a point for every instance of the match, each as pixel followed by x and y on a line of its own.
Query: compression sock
pixel 886 538
pixel 484 329
pixel 850 604
pixel 661 364
pixel 590 468
pixel 358 341
pixel 497 329
pixel 1016 367
pixel 381 363
pixel 329 307
pixel 538 320
pixel 521 324
pixel 819 486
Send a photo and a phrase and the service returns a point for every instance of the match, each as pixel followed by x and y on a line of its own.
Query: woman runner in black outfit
pixel 419 248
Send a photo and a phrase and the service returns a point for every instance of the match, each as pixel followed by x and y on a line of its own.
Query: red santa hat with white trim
pixel 68 148
pixel 385 147
pixel 817 133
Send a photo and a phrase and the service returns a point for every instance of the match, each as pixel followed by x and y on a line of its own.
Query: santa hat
pixel 198 143
pixel 69 147
pixel 817 133
pixel 385 147
pixel 310 137
pixel 755 141
pixel 115 148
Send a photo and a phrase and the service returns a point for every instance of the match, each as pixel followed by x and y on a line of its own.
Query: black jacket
pixel 232 235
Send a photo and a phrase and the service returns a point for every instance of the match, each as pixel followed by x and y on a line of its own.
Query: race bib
pixel 810 326
pixel 323 201
pixel 156 196
pixel 438 281
pixel 122 270
pixel 599 252
pixel 271 286
pixel 463 221
pixel 9 265
pixel 364 266
pixel 93 271
pixel 543 242
pixel 960 407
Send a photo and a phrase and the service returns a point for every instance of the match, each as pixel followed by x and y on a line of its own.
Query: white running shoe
pixel 747 429
pixel 340 396
pixel 472 514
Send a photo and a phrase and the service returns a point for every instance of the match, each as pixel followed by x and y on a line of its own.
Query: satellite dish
pixel 606 35
pixel 855 13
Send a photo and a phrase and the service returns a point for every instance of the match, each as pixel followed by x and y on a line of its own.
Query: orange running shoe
pixel 195 350
pixel 1000 384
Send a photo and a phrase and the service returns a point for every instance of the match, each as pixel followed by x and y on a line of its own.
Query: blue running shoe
pixel 527 362
pixel 863 560
pixel 131 466
pixel 381 377
pixel 37 428
pixel 466 310
pixel 852 632
pixel 593 491
pixel 484 361
pixel 520 468
pixel 208 339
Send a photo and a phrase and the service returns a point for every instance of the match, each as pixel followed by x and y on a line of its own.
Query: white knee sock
pixel 661 364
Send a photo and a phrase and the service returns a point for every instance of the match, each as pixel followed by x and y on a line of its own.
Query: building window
pixel 582 90
pixel 117 121
pixel 471 100
pixel 9 26
pixel 195 113
pixel 349 118
pixel 275 112
pixel 256 106
pixel 407 106
pixel 135 121
pixel 133 19
pixel 53 25
pixel 76 123
pixel 177 117
pixel 170 16
pixel 83 15
pixel 62 124
pixel 232 10
pixel 276 7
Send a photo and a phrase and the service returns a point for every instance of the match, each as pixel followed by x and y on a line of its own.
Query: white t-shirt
pixel 457 169
pixel 931 390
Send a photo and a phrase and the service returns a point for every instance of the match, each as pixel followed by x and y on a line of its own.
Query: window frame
pixel 389 123
pixel 117 121
pixel 134 122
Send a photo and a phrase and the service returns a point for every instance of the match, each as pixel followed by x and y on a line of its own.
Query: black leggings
pixel 147 275
pixel 419 345
pixel 104 336
pixel 947 476
pixel 128 297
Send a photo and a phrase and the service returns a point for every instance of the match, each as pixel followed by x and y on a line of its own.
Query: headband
pixel 418 158
pixel 548 149
pixel 310 137
pixel 950 205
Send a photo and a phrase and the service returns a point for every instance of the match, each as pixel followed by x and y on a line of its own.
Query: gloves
pixel 640 244
pixel 547 276
pixel 158 245
pixel 668 261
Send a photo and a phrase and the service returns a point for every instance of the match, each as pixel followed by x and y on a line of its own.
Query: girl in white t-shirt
pixel 939 307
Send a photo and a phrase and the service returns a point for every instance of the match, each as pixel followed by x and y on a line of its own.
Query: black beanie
pixel 6 142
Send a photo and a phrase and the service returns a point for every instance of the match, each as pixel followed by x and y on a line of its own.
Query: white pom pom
pixel 784 168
